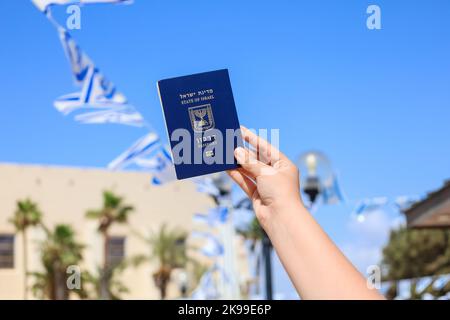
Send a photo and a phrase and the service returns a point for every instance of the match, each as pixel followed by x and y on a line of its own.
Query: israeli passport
pixel 202 122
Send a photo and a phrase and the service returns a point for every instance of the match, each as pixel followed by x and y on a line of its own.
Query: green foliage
pixel 109 279
pixel 113 211
pixel 59 251
pixel 27 214
pixel 168 246
pixel 414 253
pixel 253 232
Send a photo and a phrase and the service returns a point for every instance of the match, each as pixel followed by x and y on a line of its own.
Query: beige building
pixel 431 212
pixel 64 194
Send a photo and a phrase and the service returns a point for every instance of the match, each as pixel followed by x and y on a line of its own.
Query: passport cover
pixel 203 104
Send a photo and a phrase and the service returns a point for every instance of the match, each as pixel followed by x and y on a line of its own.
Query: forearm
pixel 315 265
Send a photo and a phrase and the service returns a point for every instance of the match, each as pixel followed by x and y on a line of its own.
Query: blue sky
pixel 376 102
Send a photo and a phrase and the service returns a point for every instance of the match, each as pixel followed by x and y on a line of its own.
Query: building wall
pixel 65 194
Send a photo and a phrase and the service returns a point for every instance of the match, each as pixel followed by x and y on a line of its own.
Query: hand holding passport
pixel 200 112
pixel 201 121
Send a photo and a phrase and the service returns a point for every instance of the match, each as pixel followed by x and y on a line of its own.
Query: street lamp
pixel 266 251
pixel 315 168
pixel 182 280
pixel 267 254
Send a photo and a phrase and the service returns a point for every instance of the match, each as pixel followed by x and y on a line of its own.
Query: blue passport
pixel 201 121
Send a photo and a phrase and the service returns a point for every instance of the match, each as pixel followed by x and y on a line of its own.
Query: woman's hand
pixel 315 265
pixel 267 176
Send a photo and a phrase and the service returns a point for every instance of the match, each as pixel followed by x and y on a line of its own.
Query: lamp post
pixel 183 283
pixel 267 256
pixel 317 176
pixel 266 252
pixel 312 182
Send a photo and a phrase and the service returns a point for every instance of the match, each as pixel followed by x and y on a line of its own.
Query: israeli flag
pixel 165 170
pixel 43 5
pixel 404 202
pixel 68 103
pixel 331 193
pixel 206 185
pixel 369 205
pixel 207 288
pixel 150 164
pixel 214 217
pixel 142 147
pixel 125 115
pixel 212 247
pixel 96 90
pixel 99 91
pixel 80 63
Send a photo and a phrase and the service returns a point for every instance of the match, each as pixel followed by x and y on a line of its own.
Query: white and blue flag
pixel 123 115
pixel 369 205
pixel 404 202
pixel 96 90
pixel 149 154
pixel 214 217
pixel 207 185
pixel 140 149
pixel 208 287
pixel 80 63
pixel 331 193
pixel 212 246
pixel 165 170
pixel 43 5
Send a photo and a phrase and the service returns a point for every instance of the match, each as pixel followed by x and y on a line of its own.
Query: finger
pixel 247 185
pixel 246 173
pixel 253 166
pixel 266 152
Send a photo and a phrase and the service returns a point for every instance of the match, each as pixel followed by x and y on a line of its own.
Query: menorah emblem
pixel 201 118
pixel 201 113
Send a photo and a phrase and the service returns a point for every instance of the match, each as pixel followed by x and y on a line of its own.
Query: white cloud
pixel 375 226
pixel 368 236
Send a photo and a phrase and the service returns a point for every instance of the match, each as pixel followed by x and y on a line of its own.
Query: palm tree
pixel 27 214
pixel 59 251
pixel 113 211
pixel 169 248
pixel 114 287
pixel 254 233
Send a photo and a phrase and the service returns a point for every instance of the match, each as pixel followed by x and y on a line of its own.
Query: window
pixel 116 251
pixel 6 251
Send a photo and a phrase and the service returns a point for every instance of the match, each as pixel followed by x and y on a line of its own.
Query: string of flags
pixel 212 246
pixel 44 5
pixel 149 154
pixel 208 284
pixel 98 101
pixel 214 217
pixel 95 91
pixel 369 205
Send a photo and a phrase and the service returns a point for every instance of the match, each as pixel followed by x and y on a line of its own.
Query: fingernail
pixel 239 153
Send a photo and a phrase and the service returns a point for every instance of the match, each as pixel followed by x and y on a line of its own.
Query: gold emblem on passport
pixel 201 118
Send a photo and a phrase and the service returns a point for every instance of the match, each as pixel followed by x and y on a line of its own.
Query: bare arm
pixel 315 265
